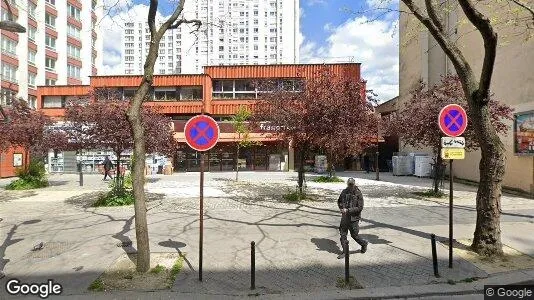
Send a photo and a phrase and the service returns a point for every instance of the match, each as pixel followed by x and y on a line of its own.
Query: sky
pixel 330 31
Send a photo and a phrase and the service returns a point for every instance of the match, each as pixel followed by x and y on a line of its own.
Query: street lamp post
pixel 377 147
pixel 11 25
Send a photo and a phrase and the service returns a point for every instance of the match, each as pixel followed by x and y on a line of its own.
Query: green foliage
pixel 97 285
pixel 30 177
pixel 157 269
pixel 176 268
pixel 239 121
pixel 116 197
pixel 326 179
pixel 295 196
pixel 431 194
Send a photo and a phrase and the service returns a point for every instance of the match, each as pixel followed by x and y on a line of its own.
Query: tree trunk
pixel 301 171
pixel 487 236
pixel 237 162
pixel 138 175
pixel 438 171
pixel 118 181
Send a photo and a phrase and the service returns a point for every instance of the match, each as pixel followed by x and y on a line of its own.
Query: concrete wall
pixel 512 83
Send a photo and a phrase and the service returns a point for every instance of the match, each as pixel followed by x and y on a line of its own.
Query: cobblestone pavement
pixel 297 243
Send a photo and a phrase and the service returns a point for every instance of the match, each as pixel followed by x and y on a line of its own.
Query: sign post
pixel 452 121
pixel 201 133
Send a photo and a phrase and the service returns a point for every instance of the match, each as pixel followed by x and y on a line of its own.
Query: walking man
pixel 107 167
pixel 350 204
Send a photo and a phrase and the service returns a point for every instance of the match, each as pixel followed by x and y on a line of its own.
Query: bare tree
pixel 136 124
pixel 476 87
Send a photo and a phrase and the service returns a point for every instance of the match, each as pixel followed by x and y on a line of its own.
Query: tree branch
pixel 197 23
pixel 453 52
pixel 433 16
pixel 153 9
pixel 483 24
pixel 525 7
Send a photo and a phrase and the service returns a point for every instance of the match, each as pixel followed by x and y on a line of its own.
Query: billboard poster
pixel 524 133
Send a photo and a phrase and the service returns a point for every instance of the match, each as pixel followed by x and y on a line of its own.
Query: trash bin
pixel 160 169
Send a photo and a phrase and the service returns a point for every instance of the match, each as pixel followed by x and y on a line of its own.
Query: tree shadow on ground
pixel 87 200
pixel 8 241
pixel 177 245
pixel 52 183
pixel 6 196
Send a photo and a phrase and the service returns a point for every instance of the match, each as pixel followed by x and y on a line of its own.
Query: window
pixel 73 51
pixel 50 20
pixel 50 64
pixel 73 31
pixel 31 33
pixel 165 93
pixel 73 12
pixel 7 97
pixel 129 58
pixel 52 2
pixel 7 16
pixel 32 102
pixel 31 80
pixel 31 9
pixel 93 4
pixel 129 31
pixel 190 93
pixel 31 57
pixel 128 93
pixel 129 51
pixel 9 72
pixel 54 101
pixel 49 81
pixel 73 71
pixel 50 42
pixel 9 46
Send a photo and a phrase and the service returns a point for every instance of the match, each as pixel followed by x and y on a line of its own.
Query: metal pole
pixel 451 181
pixel 201 216
pixel 346 250
pixel 81 176
pixel 252 265
pixel 434 254
pixel 377 168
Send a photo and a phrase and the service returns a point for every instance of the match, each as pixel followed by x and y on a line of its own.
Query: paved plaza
pixel 297 244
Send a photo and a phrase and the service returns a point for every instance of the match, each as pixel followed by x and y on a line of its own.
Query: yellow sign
pixel 453 153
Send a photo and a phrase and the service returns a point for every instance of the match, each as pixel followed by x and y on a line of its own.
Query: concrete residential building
pixel 512 83
pixel 57 48
pixel 234 33
pixel 219 91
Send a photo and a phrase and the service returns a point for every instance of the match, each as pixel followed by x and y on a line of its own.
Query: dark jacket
pixel 107 164
pixel 353 201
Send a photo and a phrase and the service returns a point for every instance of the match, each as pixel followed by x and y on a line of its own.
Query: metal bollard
pixel 346 251
pixel 434 255
pixel 81 178
pixel 252 265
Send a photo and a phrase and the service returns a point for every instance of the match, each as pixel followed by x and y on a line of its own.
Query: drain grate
pixel 51 249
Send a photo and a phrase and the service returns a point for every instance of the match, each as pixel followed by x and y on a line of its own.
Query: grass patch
pixel 327 179
pixel 295 196
pixel 431 194
pixel 118 197
pixel 97 285
pixel 30 177
pixel 24 184
pixel 351 285
pixel 157 269
pixel 176 268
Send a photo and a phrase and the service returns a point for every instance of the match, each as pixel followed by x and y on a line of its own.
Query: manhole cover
pixel 51 249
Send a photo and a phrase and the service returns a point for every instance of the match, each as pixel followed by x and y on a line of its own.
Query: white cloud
pixel 374 44
pixel 117 12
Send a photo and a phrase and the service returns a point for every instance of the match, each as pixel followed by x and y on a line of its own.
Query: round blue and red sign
pixel 201 132
pixel 452 120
